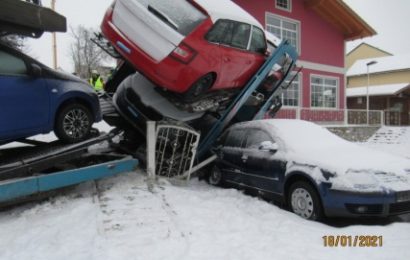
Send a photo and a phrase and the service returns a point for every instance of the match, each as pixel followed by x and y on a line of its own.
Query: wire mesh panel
pixel 175 150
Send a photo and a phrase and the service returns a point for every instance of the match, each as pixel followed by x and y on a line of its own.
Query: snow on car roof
pixel 226 9
pixel 307 143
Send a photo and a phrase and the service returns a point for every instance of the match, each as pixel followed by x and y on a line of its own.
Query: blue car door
pixel 24 99
pixel 230 157
pixel 263 170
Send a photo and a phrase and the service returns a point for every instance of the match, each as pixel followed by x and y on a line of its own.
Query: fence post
pixel 382 117
pixel 345 116
pixel 298 113
pixel 151 144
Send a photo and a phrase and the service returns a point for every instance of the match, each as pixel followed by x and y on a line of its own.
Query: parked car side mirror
pixel 268 146
pixel 35 70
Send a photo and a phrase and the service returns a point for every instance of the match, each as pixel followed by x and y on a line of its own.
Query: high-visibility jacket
pixel 97 84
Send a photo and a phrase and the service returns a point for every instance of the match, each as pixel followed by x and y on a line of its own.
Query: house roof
pixel 381 90
pixel 342 17
pixel 384 64
pixel 371 46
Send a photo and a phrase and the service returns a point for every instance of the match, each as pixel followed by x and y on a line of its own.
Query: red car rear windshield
pixel 180 14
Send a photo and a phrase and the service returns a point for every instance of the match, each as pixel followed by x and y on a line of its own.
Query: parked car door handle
pixel 226 59
pixel 244 158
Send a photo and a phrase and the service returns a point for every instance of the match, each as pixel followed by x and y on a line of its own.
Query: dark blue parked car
pixel 35 99
pixel 312 171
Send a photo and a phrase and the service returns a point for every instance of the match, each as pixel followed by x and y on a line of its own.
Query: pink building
pixel 318 29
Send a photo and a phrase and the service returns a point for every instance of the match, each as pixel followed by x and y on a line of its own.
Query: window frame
pixel 324 77
pixel 289 9
pixel 300 90
pixel 289 20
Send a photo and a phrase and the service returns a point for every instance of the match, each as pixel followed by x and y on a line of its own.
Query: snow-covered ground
pixel 118 218
pixel 395 140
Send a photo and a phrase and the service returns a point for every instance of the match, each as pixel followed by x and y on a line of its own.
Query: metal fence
pixel 338 116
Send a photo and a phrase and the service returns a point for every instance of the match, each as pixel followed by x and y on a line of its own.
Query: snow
pixel 384 64
pixel 391 139
pixel 50 137
pixel 355 167
pixel 118 218
pixel 379 90
pixel 226 9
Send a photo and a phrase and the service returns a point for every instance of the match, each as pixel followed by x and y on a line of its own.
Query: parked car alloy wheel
pixel 304 201
pixel 73 123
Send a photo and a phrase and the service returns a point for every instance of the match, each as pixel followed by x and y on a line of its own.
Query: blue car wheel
pixel 304 201
pixel 73 123
pixel 215 176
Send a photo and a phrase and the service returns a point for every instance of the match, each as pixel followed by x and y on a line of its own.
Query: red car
pixel 187 46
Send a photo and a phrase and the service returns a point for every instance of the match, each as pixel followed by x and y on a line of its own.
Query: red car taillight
pixel 184 53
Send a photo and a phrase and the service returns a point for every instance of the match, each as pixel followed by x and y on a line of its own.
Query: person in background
pixel 96 81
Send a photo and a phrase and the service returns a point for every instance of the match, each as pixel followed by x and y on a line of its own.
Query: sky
pixel 389 18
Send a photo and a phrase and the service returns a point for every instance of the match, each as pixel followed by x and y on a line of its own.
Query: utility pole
pixel 54 39
pixel 367 90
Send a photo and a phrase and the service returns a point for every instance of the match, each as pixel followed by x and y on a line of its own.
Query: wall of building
pixel 320 41
pixel 380 79
pixel 364 51
pixel 321 48
pixel 306 90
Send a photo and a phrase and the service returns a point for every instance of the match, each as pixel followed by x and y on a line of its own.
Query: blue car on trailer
pixel 36 99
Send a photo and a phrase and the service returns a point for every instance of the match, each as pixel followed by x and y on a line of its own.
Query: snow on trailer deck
pixel 118 218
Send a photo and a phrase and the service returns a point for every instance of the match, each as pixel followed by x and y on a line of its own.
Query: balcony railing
pixel 341 116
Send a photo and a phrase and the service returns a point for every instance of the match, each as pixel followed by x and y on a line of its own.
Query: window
pixel 324 92
pixel 258 42
pixel 217 33
pixel 284 5
pixel 182 16
pixel 284 29
pixel 235 138
pixel 230 33
pixel 11 65
pixel 255 138
pixel 240 35
pixel 290 96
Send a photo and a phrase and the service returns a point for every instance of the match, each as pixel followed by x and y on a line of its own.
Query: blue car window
pixel 11 65
pixel 255 138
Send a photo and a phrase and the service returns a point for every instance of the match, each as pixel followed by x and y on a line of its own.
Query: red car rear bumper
pixel 168 73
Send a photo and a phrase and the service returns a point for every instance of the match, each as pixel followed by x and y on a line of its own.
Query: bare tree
pixel 14 41
pixel 85 55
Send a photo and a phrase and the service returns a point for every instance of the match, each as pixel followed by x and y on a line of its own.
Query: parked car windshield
pixel 180 15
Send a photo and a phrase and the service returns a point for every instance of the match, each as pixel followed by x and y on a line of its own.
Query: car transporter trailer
pixel 173 148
